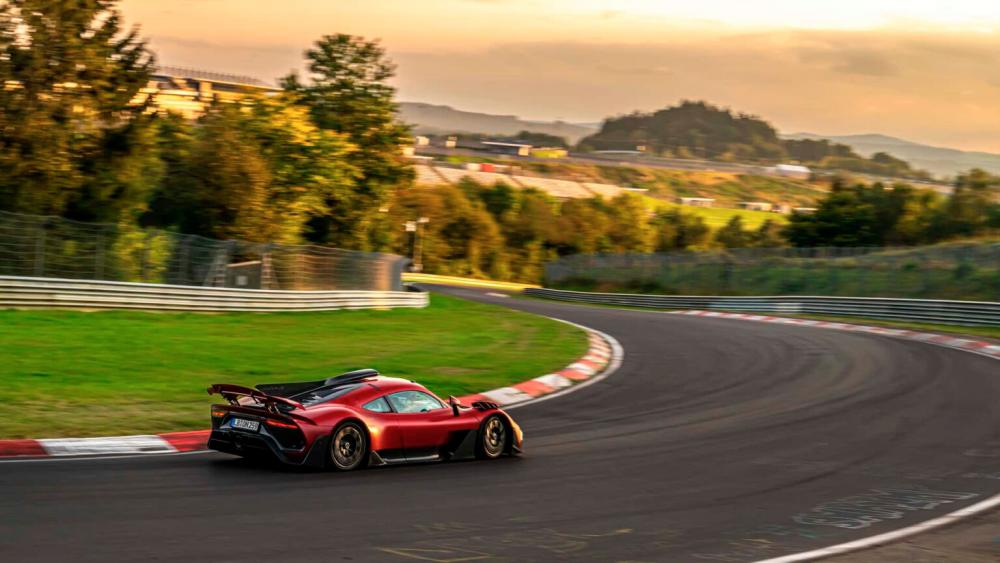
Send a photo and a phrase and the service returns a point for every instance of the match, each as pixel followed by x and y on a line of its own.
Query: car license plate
pixel 251 425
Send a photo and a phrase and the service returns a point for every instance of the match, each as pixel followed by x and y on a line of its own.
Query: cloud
pixel 851 60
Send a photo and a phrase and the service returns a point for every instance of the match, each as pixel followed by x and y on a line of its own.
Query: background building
pixel 188 91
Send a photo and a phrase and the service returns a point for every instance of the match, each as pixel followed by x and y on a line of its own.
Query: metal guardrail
pixel 52 293
pixel 971 313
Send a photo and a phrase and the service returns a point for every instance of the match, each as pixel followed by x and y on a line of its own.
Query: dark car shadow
pixel 263 466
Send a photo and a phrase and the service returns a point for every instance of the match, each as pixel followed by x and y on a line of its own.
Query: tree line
pixel 506 233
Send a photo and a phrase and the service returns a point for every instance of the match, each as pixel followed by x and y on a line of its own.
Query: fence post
pixel 40 251
pixel 144 264
pixel 185 275
pixel 99 260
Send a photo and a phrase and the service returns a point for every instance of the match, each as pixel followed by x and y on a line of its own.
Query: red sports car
pixel 357 419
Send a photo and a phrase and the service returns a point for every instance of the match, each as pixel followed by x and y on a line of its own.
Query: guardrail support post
pixel 40 251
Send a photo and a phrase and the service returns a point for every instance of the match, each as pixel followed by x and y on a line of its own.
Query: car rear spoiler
pixel 232 393
pixel 301 387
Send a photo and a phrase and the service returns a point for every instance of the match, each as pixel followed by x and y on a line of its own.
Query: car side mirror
pixel 454 404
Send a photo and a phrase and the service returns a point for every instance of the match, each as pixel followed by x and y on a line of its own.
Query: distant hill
pixel 698 129
pixel 937 160
pixel 692 129
pixel 433 119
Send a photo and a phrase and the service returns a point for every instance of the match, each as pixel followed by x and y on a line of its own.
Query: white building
pixel 791 171
pixel 696 201
pixel 755 205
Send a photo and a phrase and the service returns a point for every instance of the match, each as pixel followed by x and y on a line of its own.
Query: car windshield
pixel 324 394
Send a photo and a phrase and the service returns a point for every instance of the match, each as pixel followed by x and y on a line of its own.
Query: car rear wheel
pixel 348 447
pixel 493 438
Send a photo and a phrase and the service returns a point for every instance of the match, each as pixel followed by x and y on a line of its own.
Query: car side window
pixel 414 401
pixel 378 405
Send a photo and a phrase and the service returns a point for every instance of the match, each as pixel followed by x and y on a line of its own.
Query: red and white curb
pixel 603 358
pixel 988 349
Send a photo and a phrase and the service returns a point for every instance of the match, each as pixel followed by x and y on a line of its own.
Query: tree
pixel 460 238
pixel 259 172
pixel 769 235
pixel 676 229
pixel 231 198
pixel 973 207
pixel 347 93
pixel 629 229
pixel 583 227
pixel 877 215
pixel 69 75
pixel 733 235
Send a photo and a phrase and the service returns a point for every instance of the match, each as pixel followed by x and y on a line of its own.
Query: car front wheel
pixel 493 437
pixel 348 447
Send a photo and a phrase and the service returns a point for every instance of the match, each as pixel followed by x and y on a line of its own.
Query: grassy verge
pixel 90 374
pixel 717 217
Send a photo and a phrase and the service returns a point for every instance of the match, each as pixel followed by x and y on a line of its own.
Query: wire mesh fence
pixel 53 247
pixel 965 271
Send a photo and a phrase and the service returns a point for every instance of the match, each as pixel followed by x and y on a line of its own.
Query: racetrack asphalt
pixel 716 440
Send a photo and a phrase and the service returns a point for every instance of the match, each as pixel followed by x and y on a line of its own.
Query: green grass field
pixel 89 374
pixel 716 217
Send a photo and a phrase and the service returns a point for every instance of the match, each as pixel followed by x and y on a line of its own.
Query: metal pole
pixel 40 252
pixel 418 265
pixel 99 266
pixel 144 265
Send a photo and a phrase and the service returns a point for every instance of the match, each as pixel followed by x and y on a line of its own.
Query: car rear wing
pixel 233 394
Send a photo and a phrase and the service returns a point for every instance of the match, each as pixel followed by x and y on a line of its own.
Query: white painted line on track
pixel 889 537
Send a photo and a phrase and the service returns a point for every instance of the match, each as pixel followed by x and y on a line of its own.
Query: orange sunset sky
pixel 924 70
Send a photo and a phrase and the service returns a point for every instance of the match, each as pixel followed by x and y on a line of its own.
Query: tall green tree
pixel 629 229
pixel 733 235
pixel 973 207
pixel 858 215
pixel 769 235
pixel 676 229
pixel 71 134
pixel 258 172
pixel 347 92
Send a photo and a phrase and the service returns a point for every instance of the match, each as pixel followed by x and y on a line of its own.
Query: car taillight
pixel 218 413
pixel 279 424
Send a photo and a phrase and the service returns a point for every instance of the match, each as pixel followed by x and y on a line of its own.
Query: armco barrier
pixel 51 293
pixel 972 313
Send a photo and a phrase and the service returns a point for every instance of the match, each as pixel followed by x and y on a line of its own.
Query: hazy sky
pixel 926 70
